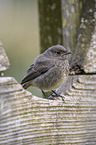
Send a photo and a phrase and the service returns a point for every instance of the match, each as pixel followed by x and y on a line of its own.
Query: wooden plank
pixel 59 23
pixel 72 11
pixel 27 119
pixel 4 61
pixel 83 60
pixel 50 21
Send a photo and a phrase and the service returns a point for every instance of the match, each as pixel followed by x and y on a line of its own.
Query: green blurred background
pixel 19 33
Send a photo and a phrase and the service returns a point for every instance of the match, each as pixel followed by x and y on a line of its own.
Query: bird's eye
pixel 58 52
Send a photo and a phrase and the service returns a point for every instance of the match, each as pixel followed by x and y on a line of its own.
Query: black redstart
pixel 49 71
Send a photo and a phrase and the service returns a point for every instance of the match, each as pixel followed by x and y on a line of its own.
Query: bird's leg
pixel 50 97
pixel 44 94
pixel 57 95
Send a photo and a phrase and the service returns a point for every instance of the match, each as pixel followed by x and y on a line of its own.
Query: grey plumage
pixel 49 70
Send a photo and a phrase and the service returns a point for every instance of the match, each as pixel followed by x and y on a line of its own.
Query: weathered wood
pixel 26 119
pixel 72 11
pixel 84 59
pixel 50 23
pixel 59 22
pixel 4 62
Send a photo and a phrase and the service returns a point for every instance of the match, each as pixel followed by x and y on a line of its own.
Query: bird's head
pixel 57 51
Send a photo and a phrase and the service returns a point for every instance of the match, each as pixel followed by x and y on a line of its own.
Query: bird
pixel 49 71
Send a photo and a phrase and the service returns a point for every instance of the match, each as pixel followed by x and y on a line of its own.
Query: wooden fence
pixel 27 119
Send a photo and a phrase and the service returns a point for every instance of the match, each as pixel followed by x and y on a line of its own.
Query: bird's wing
pixel 30 68
pixel 35 70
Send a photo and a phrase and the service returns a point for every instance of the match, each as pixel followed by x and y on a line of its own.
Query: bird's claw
pixel 57 95
pixel 51 97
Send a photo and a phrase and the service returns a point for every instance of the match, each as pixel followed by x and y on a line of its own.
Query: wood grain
pixel 72 11
pixel 85 51
pixel 27 119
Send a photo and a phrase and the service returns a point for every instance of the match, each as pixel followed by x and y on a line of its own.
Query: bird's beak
pixel 68 52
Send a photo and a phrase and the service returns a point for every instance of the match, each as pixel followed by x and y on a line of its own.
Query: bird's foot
pixel 57 95
pixel 52 96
